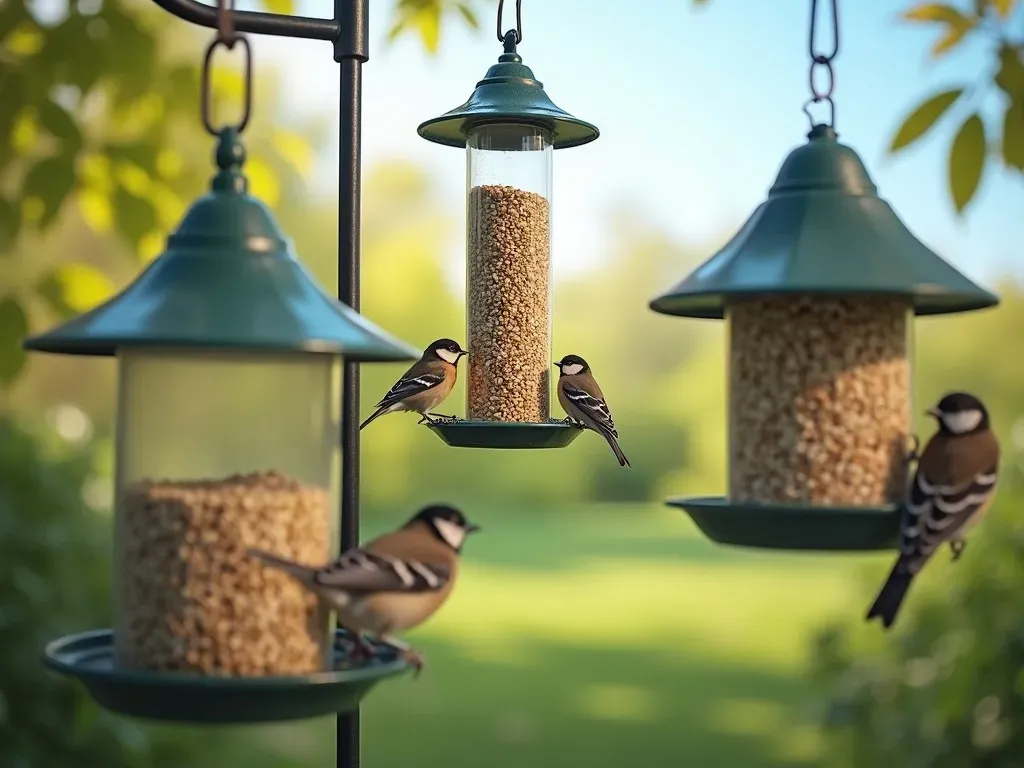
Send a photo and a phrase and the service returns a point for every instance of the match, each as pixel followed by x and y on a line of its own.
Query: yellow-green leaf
pixel 924 116
pixel 263 181
pixel 286 7
pixel 1004 7
pixel 953 36
pixel 96 210
pixel 1013 135
pixel 82 286
pixel 50 180
pixel 967 161
pixel 423 16
pixel 10 223
pixel 936 12
pixel 1010 76
pixel 294 149
pixel 13 330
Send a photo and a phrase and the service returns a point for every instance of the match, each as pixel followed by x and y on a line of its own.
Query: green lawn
pixel 606 637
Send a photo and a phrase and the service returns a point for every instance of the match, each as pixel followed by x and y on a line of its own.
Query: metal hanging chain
pixel 227 37
pixel 822 61
pixel 518 30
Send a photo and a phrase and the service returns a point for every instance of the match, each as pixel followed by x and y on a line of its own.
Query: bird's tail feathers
pixel 623 461
pixel 375 415
pixel 300 572
pixel 890 597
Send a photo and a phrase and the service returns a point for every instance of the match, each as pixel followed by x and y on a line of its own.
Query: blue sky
pixel 697 109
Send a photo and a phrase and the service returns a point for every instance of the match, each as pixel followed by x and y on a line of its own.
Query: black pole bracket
pixel 259 23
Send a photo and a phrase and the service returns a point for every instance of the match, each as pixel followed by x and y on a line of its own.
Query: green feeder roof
pixel 228 280
pixel 509 93
pixel 824 230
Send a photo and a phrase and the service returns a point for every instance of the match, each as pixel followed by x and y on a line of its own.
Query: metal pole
pixel 350 50
pixel 348 30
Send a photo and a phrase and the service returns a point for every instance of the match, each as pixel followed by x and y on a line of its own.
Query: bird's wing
pixel 359 571
pixel 593 407
pixel 936 512
pixel 409 385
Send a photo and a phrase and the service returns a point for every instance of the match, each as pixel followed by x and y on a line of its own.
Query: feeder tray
pixel 793 526
pixel 189 698
pixel 460 433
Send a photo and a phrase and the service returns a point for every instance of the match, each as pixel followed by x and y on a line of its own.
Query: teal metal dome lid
pixel 227 280
pixel 824 230
pixel 509 93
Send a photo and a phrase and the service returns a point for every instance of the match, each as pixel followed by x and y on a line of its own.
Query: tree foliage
pixel 973 142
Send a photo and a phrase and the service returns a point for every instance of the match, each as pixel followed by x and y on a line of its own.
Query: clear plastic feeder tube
pixel 508 272
pixel 217 453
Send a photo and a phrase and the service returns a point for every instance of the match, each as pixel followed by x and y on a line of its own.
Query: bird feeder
pixel 228 360
pixel 509 128
pixel 818 289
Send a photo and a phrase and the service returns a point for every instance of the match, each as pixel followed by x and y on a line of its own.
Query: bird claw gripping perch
pixel 415 658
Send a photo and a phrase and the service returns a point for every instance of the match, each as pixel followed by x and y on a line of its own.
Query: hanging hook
pixel 226 36
pixel 821 60
pixel 518 30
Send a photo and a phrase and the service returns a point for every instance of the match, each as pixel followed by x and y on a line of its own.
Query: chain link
pixel 227 37
pixel 518 29
pixel 821 61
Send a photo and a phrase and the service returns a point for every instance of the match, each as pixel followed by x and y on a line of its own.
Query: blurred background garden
pixel 592 626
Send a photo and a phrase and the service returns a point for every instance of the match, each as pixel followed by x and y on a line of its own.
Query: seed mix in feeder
pixel 508 305
pixel 819 400
pixel 189 599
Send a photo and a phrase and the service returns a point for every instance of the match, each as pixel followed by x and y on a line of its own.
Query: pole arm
pixel 256 22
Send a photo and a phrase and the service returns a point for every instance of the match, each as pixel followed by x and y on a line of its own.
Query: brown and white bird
pixel 951 490
pixel 425 385
pixel 582 400
pixel 392 584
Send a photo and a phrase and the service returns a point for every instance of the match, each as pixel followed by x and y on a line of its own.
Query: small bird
pixel 582 400
pixel 951 490
pixel 394 583
pixel 424 386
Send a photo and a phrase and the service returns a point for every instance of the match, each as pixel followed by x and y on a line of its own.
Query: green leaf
pixel 10 223
pixel 468 15
pixel 1003 7
pixel 423 16
pixel 967 161
pixel 58 122
pixel 51 180
pixel 135 215
pixel 1013 134
pixel 142 153
pixel 924 116
pixel 957 24
pixel 1010 77
pixel 13 330
pixel 75 287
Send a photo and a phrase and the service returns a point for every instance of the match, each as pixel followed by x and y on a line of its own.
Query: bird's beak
pixel 472 528
pixel 463 352
pixel 558 365
pixel 933 412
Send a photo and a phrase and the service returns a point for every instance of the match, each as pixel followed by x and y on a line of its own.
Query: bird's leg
pixel 425 417
pixel 915 453
pixel 407 652
pixel 442 416
pixel 957 546
pixel 361 651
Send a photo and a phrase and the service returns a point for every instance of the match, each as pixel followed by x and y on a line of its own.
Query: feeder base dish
pixel 505 434
pixel 189 698
pixel 793 526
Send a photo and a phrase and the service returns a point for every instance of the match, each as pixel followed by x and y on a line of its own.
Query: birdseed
pixel 509 307
pixel 188 596
pixel 819 400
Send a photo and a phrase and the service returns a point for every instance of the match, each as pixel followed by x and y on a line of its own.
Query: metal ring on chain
pixel 821 64
pixel 832 110
pixel 207 89
pixel 519 22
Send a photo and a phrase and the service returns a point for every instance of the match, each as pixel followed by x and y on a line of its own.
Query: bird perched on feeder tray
pixel 392 584
pixel 951 490
pixel 582 400
pixel 425 385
